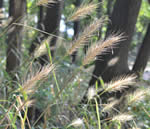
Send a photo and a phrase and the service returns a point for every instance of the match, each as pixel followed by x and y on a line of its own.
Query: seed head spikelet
pixel 101 47
pixel 86 34
pixel 76 123
pixel 23 104
pixel 45 2
pixel 109 106
pixel 83 11
pixel 29 85
pixel 138 95
pixel 42 49
pixel 91 93
pixel 120 83
pixel 123 117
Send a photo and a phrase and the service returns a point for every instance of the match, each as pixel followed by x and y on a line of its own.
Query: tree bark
pixel 40 17
pixel 11 7
pixel 51 24
pixel 17 10
pixel 1 12
pixel 40 26
pixel 123 19
pixel 143 54
pixel 1 3
pixel 52 20
pixel 76 28
pixel 109 7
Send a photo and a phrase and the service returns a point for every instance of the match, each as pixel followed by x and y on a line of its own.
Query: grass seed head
pixel 29 85
pixel 123 117
pixel 91 93
pixel 101 47
pixel 42 49
pixel 76 123
pixel 83 11
pixel 109 106
pixel 45 2
pixel 138 95
pixel 120 83
pixel 86 34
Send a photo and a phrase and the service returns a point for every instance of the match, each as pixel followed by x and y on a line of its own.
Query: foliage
pixel 58 92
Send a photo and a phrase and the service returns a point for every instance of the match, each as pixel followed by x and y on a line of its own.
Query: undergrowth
pixel 57 88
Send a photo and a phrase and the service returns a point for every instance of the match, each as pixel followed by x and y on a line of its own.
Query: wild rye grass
pixel 59 104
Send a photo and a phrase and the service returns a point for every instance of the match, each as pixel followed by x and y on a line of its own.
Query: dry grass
pixel 137 96
pixel 91 93
pixel 42 49
pixel 76 123
pixel 83 11
pixel 123 117
pixel 86 34
pixel 110 105
pixel 120 83
pixel 46 2
pixel 101 47
pixel 30 85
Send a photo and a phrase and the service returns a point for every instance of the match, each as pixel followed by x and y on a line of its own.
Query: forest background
pixel 43 78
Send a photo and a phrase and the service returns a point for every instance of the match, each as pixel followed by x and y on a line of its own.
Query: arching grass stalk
pixel 51 62
pixel 98 114
pixel 54 100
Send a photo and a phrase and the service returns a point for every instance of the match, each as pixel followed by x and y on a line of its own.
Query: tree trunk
pixel 17 10
pixel 52 20
pixel 1 3
pixel 123 19
pixel 76 28
pixel 109 7
pixel 40 26
pixel 40 17
pixel 99 14
pixel 143 54
pixel 51 24
pixel 11 7
pixel 1 12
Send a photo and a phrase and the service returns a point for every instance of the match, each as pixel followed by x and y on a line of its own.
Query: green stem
pixel 51 62
pixel 98 114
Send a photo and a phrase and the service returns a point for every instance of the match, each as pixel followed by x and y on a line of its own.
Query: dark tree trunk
pixel 52 20
pixel 123 19
pixel 51 25
pixel 1 3
pixel 76 28
pixel 11 7
pixel 17 10
pixel 143 54
pixel 1 12
pixel 40 26
pixel 99 14
pixel 40 18
pixel 99 9
pixel 109 7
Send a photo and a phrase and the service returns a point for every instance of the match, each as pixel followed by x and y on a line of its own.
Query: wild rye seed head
pixel 123 117
pixel 86 34
pixel 42 49
pixel 138 95
pixel 76 123
pixel 91 93
pixel 23 104
pixel 83 11
pixel 110 105
pixel 29 85
pixel 101 47
pixel 120 83
pixel 45 2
